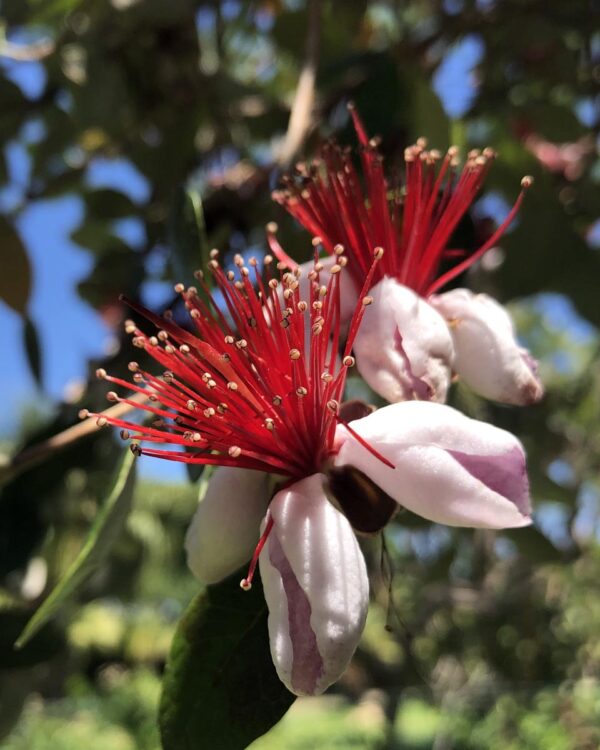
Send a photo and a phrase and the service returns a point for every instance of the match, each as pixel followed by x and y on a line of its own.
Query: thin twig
pixel 36 454
pixel 302 107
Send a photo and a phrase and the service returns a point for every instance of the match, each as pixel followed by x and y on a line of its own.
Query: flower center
pixel 258 381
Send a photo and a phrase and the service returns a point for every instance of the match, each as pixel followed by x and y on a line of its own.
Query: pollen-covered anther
pixel 192 405
pixel 229 340
pixel 222 407
pixel 102 421
pixel 195 314
pixel 245 584
pixel 169 349
pixel 527 181
pixel 241 343
pixel 269 424
pixel 366 301
pixel 302 306
pixel 138 377
pixel 209 412
pixel 196 437
pixel 214 254
pixel 276 400
pixel 232 385
pixel 179 288
pixel 184 349
pixel 294 354
pixel 348 361
pixel 168 377
pixel 336 268
pixel 316 241
pixel 101 373
pixel 129 326
pixel 301 391
pixel 235 451
pixel 125 434
pixel 338 249
pixel 326 377
pixel 135 449
pixel 133 367
pixel 378 253
pixel 153 341
pixel 273 283
pixel 84 413
pixel 333 406
pixel 162 335
pixel 112 397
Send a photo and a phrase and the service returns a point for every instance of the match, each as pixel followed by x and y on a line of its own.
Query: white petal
pixel 488 358
pixel 403 347
pixel 447 468
pixel 226 526
pixel 315 582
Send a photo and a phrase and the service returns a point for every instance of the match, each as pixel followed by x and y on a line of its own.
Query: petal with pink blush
pixel 447 468
pixel 403 348
pixel 488 357
pixel 315 583
pixel 226 526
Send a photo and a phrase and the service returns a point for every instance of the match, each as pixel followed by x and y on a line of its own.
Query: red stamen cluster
pixel 259 382
pixel 412 219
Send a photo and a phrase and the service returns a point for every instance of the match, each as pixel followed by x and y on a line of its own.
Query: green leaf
pixel 32 349
pixel 220 688
pixel 15 279
pixel 188 234
pixel 108 524
pixel 46 643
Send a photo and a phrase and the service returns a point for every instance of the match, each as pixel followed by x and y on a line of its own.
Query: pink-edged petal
pixel 315 583
pixel 488 357
pixel 403 348
pixel 447 468
pixel 226 526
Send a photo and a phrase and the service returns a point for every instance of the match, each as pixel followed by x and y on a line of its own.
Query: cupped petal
pixel 315 583
pixel 488 357
pixel 403 348
pixel 226 526
pixel 447 468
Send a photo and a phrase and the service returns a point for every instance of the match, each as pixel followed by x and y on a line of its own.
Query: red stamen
pixel 414 228
pixel 257 389
pixel 246 583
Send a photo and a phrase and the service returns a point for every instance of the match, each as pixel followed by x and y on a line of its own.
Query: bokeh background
pixel 112 114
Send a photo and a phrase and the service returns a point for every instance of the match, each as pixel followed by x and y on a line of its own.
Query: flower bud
pixel 487 356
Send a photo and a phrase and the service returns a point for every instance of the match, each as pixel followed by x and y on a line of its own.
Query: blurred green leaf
pixel 103 534
pixel 43 645
pixel 188 233
pixel 220 688
pixel 32 349
pixel 15 279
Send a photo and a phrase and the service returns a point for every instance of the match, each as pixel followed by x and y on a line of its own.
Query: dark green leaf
pixel 220 688
pixel 105 530
pixel 32 349
pixel 15 279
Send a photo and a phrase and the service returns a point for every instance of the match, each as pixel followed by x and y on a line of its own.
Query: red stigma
pixel 258 382
pixel 412 218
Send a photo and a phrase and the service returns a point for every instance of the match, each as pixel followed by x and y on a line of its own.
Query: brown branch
pixel 302 106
